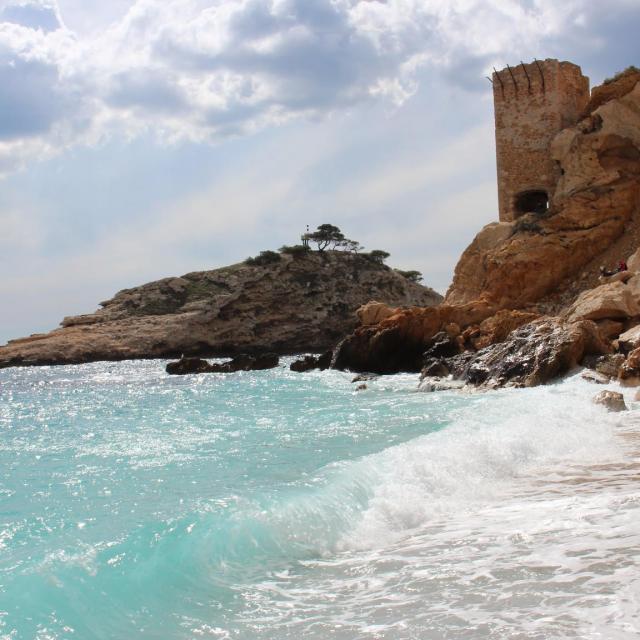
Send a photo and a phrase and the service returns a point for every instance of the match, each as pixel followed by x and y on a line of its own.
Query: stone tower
pixel 532 103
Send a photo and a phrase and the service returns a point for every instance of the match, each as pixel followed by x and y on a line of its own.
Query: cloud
pixel 201 70
pixel 31 14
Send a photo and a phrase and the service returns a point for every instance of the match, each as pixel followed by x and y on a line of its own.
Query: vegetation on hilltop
pixel 327 237
pixel 630 69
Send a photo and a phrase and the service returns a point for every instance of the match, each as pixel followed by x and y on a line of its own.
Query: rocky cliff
pixel 515 272
pixel 297 303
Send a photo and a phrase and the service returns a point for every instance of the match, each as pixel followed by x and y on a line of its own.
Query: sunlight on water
pixel 278 505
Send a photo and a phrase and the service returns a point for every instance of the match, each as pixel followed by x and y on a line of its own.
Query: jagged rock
pixel 308 363
pixel 533 354
pixel 442 345
pixel 374 312
pixel 498 327
pixel 607 365
pixel 629 340
pixel 294 305
pixel 434 368
pixel 612 400
pixel 361 387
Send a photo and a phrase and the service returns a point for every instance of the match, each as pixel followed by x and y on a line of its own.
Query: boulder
pixel 533 354
pixel 610 300
pixel 612 400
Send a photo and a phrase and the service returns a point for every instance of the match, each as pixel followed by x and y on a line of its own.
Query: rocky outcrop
pixel 295 304
pixel 515 272
pixel 398 342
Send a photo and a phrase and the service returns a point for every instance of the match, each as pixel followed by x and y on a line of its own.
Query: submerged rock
pixel 612 400
pixel 185 366
pixel 242 362
pixel 440 384
pixel 308 363
pixel 594 376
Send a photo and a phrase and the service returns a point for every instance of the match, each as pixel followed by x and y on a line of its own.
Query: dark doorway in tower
pixel 531 202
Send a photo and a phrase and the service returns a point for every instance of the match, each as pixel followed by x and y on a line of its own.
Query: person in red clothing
pixel 622 266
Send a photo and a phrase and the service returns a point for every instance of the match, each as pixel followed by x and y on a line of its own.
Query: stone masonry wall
pixel 532 104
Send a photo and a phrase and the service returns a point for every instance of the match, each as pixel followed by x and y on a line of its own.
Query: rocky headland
pixel 528 300
pixel 289 304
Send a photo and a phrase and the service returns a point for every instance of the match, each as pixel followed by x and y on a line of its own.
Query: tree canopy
pixel 328 236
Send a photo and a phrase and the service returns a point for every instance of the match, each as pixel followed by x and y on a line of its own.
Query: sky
pixel 141 139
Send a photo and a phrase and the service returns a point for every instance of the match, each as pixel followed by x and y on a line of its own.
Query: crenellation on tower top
pixel 533 103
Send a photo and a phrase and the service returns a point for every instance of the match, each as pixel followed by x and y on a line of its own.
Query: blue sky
pixel 147 138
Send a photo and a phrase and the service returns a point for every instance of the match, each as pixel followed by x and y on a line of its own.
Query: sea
pixel 278 505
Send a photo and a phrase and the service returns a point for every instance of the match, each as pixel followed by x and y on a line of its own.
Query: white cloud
pixel 205 69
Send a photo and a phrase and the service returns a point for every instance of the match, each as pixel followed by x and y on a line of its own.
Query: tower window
pixel 531 202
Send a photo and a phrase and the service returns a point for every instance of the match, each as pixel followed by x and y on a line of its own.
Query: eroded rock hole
pixel 531 202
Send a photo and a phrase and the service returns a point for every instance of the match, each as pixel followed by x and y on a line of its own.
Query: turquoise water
pixel 279 505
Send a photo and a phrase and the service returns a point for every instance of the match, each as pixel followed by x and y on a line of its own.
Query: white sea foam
pixel 519 520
